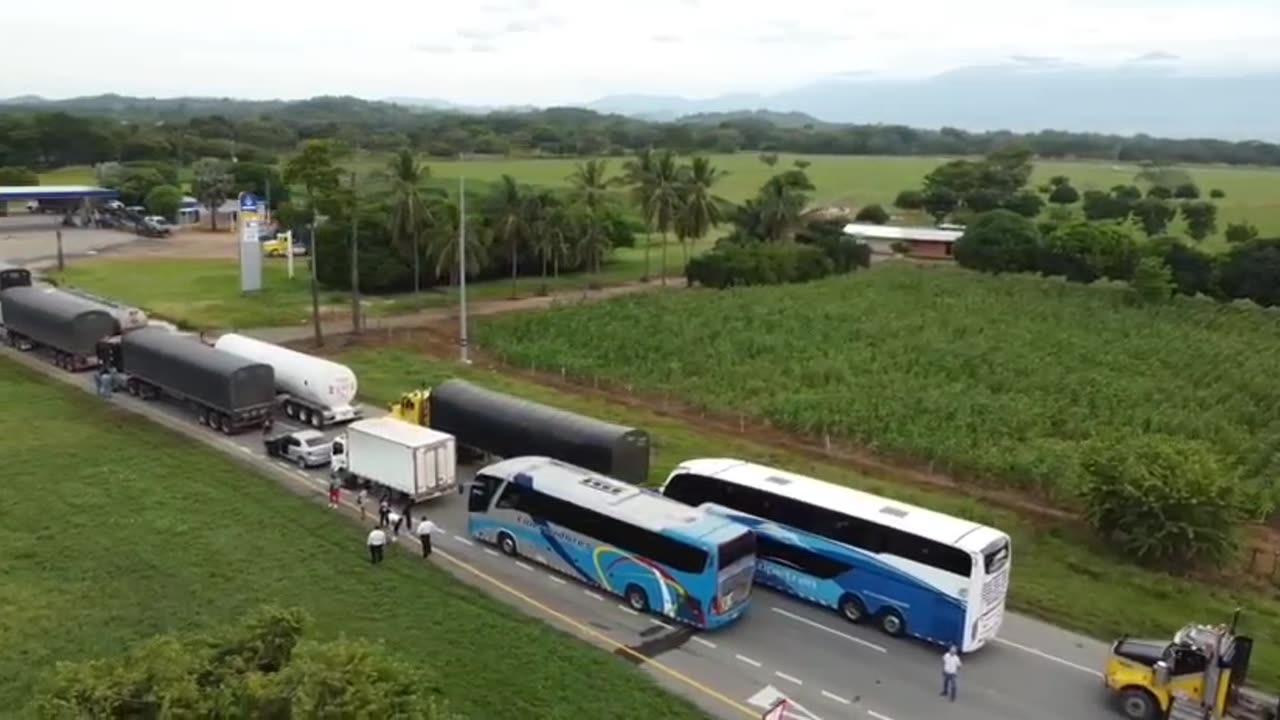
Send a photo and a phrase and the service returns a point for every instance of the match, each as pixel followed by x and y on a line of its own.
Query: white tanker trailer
pixel 312 390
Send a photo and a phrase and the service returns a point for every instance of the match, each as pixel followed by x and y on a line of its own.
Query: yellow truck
pixel 1199 675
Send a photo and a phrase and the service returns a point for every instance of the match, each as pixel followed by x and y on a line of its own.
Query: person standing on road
pixel 950 666
pixel 377 543
pixel 396 521
pixel 425 528
pixel 384 512
pixel 361 497
pixel 408 515
pixel 335 493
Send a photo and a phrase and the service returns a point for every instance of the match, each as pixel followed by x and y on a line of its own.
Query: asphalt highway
pixel 783 647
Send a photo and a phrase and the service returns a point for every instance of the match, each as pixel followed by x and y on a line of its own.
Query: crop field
pixel 1059 575
pixel 1005 379
pixel 114 530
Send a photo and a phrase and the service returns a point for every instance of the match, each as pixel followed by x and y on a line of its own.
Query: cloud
pixel 665 39
pixel 533 24
pixel 433 48
pixel 1156 56
pixel 802 36
pixel 482 47
pixel 1036 60
pixel 476 34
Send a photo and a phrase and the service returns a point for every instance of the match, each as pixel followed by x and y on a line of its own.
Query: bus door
pixel 483 488
pixel 947 621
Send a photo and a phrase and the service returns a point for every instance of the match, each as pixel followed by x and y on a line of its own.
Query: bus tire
pixel 892 624
pixel 1138 704
pixel 507 544
pixel 852 609
pixel 637 599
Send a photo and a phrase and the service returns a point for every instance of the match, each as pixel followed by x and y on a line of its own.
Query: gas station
pixel 62 199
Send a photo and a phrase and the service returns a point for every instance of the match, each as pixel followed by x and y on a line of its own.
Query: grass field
pixel 1009 378
pixel 114 530
pixel 860 180
pixel 1058 575
pixel 206 293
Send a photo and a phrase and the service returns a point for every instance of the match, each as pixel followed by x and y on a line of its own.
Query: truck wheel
pixel 1138 704
pixel 131 386
pixel 289 410
pixel 507 544
pixel 224 424
pixel 316 421
pixel 304 415
pixel 892 624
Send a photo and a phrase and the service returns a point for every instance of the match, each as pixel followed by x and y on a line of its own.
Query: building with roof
pixel 921 242
pixel 63 198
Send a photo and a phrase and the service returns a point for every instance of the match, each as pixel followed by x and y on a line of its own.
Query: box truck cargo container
pixel 312 390
pixel 414 462
pixel 68 325
pixel 227 392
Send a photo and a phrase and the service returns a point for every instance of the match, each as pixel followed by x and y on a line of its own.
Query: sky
pixel 544 52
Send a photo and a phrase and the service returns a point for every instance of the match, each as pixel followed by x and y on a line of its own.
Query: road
pixel 827 667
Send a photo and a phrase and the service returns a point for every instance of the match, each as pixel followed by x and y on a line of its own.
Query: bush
pixel 1191 269
pixel 1064 195
pixel 1240 232
pixel 20 176
pixel 1026 203
pixel 164 200
pixel 1217 194
pixel 758 263
pixel 909 200
pixel 872 214
pixel 1084 251
pixel 999 241
pixel 1163 502
pixel 1152 282
pixel 1187 191
pixel 1252 271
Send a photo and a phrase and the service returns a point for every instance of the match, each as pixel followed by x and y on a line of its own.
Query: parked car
pixel 307 448
pixel 158 223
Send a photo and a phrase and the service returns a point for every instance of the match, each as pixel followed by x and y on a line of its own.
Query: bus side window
pixel 510 497
pixel 482 489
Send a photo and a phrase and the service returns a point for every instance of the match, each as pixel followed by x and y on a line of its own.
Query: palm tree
pixel 665 199
pixel 638 174
pixel 589 188
pixel 781 203
pixel 545 219
pixel 443 247
pixel 508 213
pixel 700 209
pixel 410 207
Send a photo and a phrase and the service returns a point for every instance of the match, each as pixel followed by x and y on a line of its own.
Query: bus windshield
pixel 737 549
pixel 995 558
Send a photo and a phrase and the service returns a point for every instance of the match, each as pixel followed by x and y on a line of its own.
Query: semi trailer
pixel 69 326
pixel 312 390
pixel 413 462
pixel 13 276
pixel 225 391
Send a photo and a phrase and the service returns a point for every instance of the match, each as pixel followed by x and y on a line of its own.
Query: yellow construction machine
pixel 412 407
pixel 1198 676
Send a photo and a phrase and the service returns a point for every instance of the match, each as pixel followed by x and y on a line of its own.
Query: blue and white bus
pixel 914 571
pixel 661 555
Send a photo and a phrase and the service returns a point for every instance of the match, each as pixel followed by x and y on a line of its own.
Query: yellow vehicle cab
pixel 412 407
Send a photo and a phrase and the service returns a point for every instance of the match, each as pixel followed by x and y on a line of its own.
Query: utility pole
pixel 355 258
pixel 315 290
pixel 267 208
pixel 61 264
pixel 462 267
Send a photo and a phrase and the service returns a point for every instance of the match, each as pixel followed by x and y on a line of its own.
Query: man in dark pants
pixel 425 528
pixel 377 542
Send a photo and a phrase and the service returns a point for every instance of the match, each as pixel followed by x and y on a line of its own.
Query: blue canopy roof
pixel 56 192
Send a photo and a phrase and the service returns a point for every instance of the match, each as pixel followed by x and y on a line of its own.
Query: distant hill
pixel 1154 98
pixel 781 119
pixel 446 106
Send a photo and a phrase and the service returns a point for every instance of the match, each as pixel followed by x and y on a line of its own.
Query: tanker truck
pixel 311 390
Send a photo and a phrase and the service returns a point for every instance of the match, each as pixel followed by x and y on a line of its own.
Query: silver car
pixel 307 448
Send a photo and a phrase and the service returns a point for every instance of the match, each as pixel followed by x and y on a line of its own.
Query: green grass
pixel 1058 574
pixel 861 180
pixel 206 294
pixel 114 530
pixel 1007 379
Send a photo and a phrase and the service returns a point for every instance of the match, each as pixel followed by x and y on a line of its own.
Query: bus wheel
pixel 852 608
pixel 1137 704
pixel 892 624
pixel 637 599
pixel 507 544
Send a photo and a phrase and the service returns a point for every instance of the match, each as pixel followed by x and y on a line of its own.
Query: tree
pixel 164 200
pixel 18 176
pixel 873 213
pixel 1064 195
pixel 1098 205
pixel 700 209
pixel 262 180
pixel 982 200
pixel 1201 217
pixel 1252 271
pixel 780 204
pixel 769 159
pixel 638 175
pixel 316 169
pixel 1152 282
pixel 261 668
pixel 1153 214
pixel 665 178
pixel 1127 193
pixel 1217 194
pixel 589 188
pixel 958 176
pixel 411 206
pixel 909 200
pixel 1024 202
pixel 1058 181
pixel 444 246
pixel 1163 502
pixel 1084 251
pixel 999 241
pixel 1186 191
pixel 507 212
pixel 211 184
pixel 1162 176
pixel 1192 269
pixel 1160 192
pixel 135 183
pixel 548 226
pixel 940 202
pixel 1240 232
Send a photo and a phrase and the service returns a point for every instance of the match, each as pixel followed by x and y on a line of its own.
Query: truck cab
pixel 412 407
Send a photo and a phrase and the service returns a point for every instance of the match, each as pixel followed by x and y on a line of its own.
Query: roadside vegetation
pixel 130 531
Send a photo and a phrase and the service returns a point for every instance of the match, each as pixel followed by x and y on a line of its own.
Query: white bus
pixel 913 571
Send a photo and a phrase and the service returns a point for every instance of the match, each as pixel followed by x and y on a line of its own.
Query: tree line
pixel 124 130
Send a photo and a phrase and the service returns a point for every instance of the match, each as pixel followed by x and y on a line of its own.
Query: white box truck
pixel 313 390
pixel 415 462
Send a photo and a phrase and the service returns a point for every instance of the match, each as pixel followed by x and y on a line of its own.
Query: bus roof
pixel 891 513
pixel 640 507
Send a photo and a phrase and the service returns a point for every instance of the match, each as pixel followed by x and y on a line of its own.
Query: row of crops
pixel 1011 380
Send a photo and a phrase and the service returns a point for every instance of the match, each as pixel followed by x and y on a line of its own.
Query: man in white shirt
pixel 950 666
pixel 425 528
pixel 377 541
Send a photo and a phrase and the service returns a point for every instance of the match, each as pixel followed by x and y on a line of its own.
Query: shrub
pixel 1252 271
pixel 1217 194
pixel 1240 232
pixel 1186 191
pixel 758 263
pixel 1025 203
pixel 999 241
pixel 1162 501
pixel 1084 251
pixel 18 176
pixel 1064 195
pixel 1191 269
pixel 872 214
pixel 1152 282
pixel 909 200
pixel 164 200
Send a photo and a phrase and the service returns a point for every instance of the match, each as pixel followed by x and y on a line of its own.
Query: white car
pixel 307 448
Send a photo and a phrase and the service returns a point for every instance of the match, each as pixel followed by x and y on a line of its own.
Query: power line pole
pixel 462 267
pixel 355 258
pixel 315 290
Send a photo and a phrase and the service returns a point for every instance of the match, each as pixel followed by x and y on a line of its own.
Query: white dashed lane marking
pixel 492 552
pixel 1047 656
pixel 749 661
pixel 525 566
pixel 708 643
pixel 590 594
pixel 557 580
pixel 878 716
pixel 837 698
pixel 463 540
pixel 788 678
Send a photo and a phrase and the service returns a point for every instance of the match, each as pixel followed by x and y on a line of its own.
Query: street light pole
pixel 462 267
pixel 315 290
pixel 355 258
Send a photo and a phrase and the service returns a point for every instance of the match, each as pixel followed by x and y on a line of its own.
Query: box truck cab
pixel 413 462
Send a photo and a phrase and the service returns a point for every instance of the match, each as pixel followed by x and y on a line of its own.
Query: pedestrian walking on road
pixel 950 666
pixel 384 513
pixel 425 528
pixel 396 521
pixel 335 493
pixel 377 543
pixel 408 515
pixel 361 497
